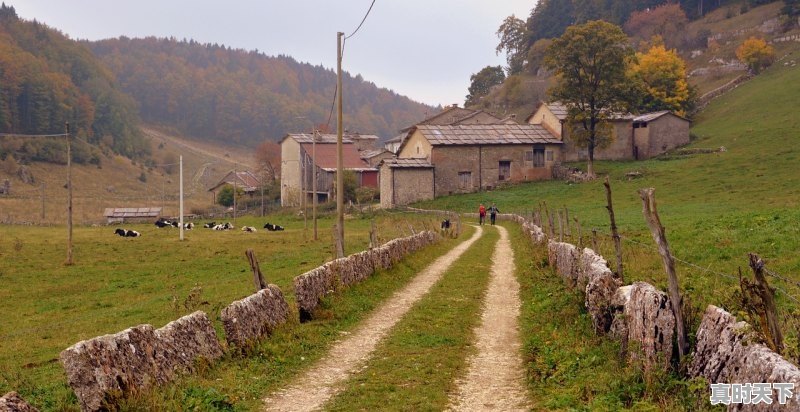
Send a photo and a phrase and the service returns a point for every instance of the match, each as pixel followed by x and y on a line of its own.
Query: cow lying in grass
pixel 161 223
pixel 223 226
pixel 127 233
pixel 248 229
pixel 210 225
pixel 272 228
pixel 188 226
pixel 446 224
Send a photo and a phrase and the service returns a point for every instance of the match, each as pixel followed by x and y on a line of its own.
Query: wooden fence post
pixel 580 233
pixel 258 277
pixel 776 337
pixel 560 226
pixel 594 241
pixel 566 221
pixel 614 233
pixel 373 236
pixel 650 212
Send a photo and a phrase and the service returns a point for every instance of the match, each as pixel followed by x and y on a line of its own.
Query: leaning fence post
pixel 560 226
pixel 651 216
pixel 580 233
pixel 614 233
pixel 594 241
pixel 258 277
pixel 566 221
pixel 776 337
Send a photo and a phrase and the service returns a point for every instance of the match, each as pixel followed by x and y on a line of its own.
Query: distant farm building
pixel 634 137
pixel 244 180
pixel 298 162
pixel 129 214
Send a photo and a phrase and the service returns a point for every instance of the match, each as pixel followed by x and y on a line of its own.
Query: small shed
pixel 123 214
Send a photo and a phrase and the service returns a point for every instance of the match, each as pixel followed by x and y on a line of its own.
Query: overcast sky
pixel 424 49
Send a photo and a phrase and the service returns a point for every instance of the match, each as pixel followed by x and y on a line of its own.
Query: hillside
pixel 46 79
pixel 706 43
pixel 214 92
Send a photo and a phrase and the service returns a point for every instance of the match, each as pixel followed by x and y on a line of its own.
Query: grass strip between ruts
pixel 416 366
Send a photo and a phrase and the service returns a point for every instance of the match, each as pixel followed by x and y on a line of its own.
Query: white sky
pixel 425 50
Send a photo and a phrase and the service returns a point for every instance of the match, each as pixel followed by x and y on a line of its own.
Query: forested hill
pixel 215 92
pixel 46 79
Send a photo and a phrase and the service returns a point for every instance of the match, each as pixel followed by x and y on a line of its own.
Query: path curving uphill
pixel 495 375
pixel 313 388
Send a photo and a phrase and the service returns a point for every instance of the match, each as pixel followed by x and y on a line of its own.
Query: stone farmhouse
pixel 634 137
pixel 462 150
pixel 298 161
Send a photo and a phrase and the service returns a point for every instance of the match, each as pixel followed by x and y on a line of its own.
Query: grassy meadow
pixel 716 207
pixel 120 282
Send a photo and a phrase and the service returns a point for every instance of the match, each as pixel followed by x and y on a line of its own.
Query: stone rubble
pixel 12 402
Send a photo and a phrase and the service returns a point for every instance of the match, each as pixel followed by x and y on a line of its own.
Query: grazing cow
pixel 273 228
pixel 446 224
pixel 210 225
pixel 248 229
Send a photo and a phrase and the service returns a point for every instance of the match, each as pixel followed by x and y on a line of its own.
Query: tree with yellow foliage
pixel 756 54
pixel 659 77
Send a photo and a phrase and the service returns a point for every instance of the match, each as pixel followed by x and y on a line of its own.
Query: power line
pixel 31 135
pixel 360 24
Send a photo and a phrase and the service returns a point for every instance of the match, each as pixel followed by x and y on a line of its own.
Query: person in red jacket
pixel 482 213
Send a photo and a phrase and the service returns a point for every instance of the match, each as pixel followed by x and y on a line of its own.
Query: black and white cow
pixel 272 228
pixel 224 226
pixel 248 229
pixel 127 233
pixel 188 226
pixel 210 225
pixel 161 223
pixel 446 224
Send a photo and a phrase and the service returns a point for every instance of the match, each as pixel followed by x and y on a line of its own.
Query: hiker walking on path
pixel 482 213
pixel 493 211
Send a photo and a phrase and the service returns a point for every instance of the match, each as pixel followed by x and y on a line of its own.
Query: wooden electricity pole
pixel 69 197
pixel 314 180
pixel 339 151
pixel 180 207
pixel 650 212
pixel 43 214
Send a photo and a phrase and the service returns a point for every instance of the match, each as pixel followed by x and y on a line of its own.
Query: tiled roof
pixel 397 139
pixel 326 156
pixel 366 154
pixel 487 134
pixel 244 179
pixel 558 110
pixel 321 138
pixel 408 163
pixel 650 116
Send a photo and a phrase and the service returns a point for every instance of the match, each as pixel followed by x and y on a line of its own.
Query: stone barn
pixel 405 181
pixel 469 158
pixel 630 141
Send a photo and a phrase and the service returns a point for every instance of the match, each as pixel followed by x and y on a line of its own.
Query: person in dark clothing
pixel 493 211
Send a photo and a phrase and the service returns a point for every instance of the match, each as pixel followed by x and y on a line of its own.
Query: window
pixel 504 170
pixel 549 155
pixel 465 180
pixel 538 157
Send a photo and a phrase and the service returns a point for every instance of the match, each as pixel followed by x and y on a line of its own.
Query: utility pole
pixel 303 192
pixel 69 197
pixel 42 202
pixel 339 151
pixel 181 193
pixel 314 180
pixel 235 176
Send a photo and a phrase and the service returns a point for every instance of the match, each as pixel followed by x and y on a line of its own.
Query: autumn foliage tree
pixel 756 54
pixel 513 41
pixel 667 21
pixel 659 76
pixel 589 61
pixel 268 160
pixel 482 82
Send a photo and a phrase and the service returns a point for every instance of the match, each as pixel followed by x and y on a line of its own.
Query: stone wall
pixel 644 322
pixel 137 358
pixel 12 402
pixel 254 317
pixel 728 352
pixel 315 284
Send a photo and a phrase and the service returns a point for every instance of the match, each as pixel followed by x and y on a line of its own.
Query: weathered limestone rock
pixel 184 340
pixel 727 352
pixel 255 316
pixel 123 362
pixel 565 259
pixel 600 292
pixel 313 285
pixel 534 232
pixel 12 402
pixel 590 262
pixel 644 322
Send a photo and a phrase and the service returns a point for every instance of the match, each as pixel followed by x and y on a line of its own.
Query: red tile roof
pixel 326 156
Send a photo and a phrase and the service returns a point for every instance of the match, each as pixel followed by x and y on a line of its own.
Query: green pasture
pixel 118 282
pixel 716 207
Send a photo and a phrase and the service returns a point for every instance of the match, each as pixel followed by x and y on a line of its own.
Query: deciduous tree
pixel 660 78
pixel 268 160
pixel 589 60
pixel 513 41
pixel 756 54
pixel 668 21
pixel 482 82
